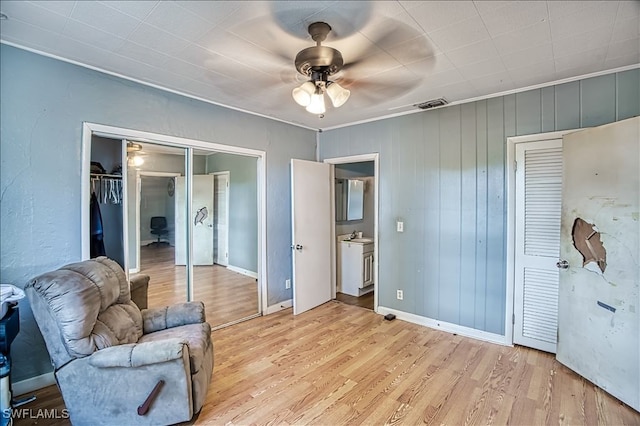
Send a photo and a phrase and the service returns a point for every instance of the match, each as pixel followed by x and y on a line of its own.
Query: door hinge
pixel 513 318
pixel 515 166
pixel 227 184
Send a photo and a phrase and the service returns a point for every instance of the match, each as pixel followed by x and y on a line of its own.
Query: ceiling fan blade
pixel 384 45
pixel 367 47
pixel 384 87
pixel 291 77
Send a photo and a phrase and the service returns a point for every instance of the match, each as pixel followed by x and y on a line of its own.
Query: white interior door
pixel 221 219
pixel 311 233
pixel 599 302
pixel 537 245
pixel 201 220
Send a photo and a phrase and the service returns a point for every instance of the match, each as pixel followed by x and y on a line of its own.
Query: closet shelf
pixel 106 175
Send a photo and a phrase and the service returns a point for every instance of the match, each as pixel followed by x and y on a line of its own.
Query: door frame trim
pixel 511 221
pixel 375 157
pixel 227 196
pixel 89 129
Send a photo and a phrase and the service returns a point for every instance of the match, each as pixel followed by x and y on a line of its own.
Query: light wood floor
pixel 344 365
pixel 228 296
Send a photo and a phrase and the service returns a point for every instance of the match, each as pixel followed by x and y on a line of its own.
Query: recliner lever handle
pixel 144 408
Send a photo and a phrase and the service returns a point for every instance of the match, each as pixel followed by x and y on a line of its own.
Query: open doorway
pixel 356 229
pixel 155 215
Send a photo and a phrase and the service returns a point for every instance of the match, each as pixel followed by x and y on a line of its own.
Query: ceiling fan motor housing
pixel 319 59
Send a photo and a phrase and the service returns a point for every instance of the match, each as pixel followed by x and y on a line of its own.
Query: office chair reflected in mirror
pixel 159 228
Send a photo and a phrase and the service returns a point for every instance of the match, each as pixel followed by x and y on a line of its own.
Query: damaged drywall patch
pixel 586 239
pixel 607 307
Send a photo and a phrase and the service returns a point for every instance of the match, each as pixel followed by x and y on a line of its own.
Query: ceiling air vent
pixel 433 103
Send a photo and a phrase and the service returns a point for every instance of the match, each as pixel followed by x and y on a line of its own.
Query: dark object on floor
pixel 159 227
pixel 389 317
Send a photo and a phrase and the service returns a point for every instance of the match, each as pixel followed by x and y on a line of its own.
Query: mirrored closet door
pixel 186 217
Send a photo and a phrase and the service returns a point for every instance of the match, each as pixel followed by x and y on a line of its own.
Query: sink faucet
pixel 354 235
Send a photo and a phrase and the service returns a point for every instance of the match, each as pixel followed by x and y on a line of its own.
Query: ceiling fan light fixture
pixel 318 63
pixel 316 106
pixel 133 147
pixel 135 161
pixel 338 94
pixel 302 95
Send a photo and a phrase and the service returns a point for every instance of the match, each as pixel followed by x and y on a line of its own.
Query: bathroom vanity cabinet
pixel 356 266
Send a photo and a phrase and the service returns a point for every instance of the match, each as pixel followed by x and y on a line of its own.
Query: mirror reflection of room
pixel 355 227
pixel 224 224
pixel 151 220
pixel 220 182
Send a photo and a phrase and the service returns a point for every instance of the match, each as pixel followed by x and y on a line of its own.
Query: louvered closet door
pixel 538 209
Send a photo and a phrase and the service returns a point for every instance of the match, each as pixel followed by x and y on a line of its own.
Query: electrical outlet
pixel 399 294
pixel 400 226
pixel 287 284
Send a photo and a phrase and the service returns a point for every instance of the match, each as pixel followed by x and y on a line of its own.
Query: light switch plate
pixel 400 226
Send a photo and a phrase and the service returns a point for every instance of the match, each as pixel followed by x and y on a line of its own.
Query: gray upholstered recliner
pixel 109 356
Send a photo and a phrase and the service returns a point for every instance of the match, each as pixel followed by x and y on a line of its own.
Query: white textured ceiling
pixel 398 53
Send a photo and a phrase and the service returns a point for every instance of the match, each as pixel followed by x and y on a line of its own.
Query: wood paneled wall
pixel 442 173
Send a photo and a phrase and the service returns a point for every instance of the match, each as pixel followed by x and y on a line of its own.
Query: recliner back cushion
pixel 91 304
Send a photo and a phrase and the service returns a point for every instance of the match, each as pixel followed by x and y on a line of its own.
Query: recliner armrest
pixel 138 354
pixel 156 319
pixel 139 289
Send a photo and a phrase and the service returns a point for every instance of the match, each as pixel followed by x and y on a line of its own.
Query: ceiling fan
pixel 318 63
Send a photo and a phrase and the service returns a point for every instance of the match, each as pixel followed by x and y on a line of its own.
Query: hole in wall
pixel 586 239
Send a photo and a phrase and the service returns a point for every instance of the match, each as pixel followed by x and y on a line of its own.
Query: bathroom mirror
pixel 349 199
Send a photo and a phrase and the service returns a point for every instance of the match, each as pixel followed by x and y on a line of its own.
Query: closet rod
pixel 101 175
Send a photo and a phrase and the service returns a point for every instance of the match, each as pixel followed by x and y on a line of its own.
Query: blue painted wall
pixel 442 172
pixel 43 105
pixel 243 204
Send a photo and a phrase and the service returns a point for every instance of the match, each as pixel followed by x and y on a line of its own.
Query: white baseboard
pixel 446 326
pixel 279 307
pixel 34 383
pixel 243 271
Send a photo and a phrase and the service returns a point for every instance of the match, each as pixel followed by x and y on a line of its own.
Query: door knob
pixel 562 264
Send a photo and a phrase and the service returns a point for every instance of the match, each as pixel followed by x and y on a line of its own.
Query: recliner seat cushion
pixel 196 336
